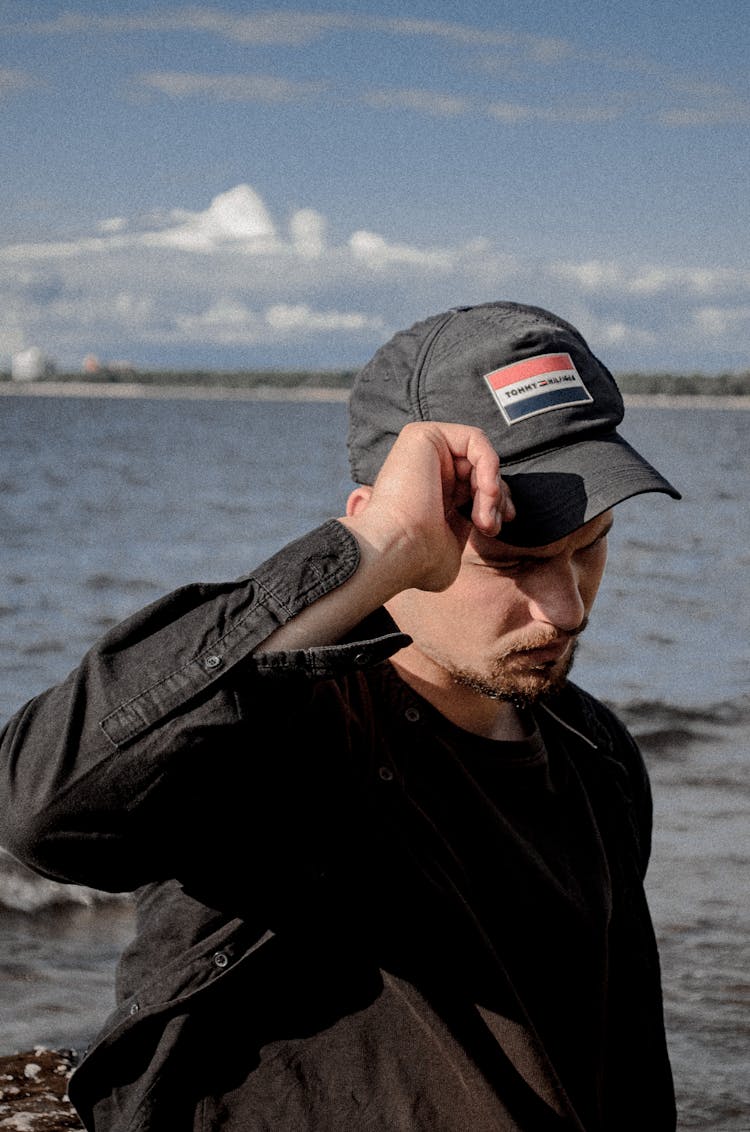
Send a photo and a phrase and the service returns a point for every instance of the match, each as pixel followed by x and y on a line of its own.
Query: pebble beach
pixel 34 1091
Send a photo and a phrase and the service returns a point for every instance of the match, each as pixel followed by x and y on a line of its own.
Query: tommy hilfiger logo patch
pixel 537 385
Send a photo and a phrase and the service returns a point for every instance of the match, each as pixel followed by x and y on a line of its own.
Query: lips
pixel 547 654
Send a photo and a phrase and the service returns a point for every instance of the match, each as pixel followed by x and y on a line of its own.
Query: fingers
pixel 492 504
pixel 467 471
pixel 491 507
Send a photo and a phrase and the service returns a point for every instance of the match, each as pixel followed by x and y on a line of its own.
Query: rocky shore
pixel 34 1091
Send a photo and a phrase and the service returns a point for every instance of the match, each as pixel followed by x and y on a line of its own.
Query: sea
pixel 109 502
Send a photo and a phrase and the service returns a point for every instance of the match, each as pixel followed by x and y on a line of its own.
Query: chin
pixel 516 684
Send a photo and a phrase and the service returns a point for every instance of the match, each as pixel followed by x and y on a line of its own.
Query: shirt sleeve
pixel 86 767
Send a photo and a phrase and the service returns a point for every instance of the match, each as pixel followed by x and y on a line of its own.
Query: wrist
pixel 394 559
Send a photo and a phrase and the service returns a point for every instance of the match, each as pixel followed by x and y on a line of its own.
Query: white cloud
pixel 112 224
pixel 291 29
pixel 656 94
pixel 231 276
pixel 61 249
pixel 228 88
pixel 269 27
pixel 697 281
pixel 376 252
pixel 610 333
pixel 706 104
pixel 133 308
pixel 591 275
pixel 424 101
pixel 718 322
pixel 236 216
pixel 647 279
pixel 510 112
pixel 235 221
pixel 537 48
pixel 514 112
pixel 266 28
pixel 291 318
pixel 231 323
pixel 445 29
pixel 307 229
pixel 226 323
pixel 437 104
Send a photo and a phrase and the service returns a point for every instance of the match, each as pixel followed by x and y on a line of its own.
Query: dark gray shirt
pixel 352 915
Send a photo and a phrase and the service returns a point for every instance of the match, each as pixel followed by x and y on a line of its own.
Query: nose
pixel 555 597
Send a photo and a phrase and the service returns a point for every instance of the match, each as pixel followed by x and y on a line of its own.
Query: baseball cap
pixel 529 380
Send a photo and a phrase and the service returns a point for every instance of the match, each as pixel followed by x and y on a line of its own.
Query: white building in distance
pixel 30 365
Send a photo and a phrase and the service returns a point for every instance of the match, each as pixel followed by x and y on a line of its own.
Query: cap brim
pixel 561 489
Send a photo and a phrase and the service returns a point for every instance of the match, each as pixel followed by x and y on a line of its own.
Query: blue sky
pixel 229 185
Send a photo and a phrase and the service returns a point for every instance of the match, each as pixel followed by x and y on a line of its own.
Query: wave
pixel 692 736
pixel 723 713
pixel 22 890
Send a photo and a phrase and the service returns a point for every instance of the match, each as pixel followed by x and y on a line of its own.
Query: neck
pixel 468 709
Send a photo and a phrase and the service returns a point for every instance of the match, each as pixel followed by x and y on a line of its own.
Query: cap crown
pixel 438 369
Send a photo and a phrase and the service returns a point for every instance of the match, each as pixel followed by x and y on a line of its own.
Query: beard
pixel 515 678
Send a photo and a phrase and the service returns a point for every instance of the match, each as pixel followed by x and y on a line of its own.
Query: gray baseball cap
pixel 528 379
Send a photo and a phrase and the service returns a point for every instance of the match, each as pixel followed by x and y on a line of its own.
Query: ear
pixel 358 500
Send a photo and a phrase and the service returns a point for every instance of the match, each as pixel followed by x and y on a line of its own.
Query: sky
pixel 228 186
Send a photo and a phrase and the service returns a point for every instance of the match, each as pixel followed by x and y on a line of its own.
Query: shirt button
pixel 212 661
pixel 386 774
pixel 134 1008
pixel 412 714
pixel 220 960
pixel 362 658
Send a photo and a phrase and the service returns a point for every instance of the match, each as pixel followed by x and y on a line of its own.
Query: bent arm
pixel 408 527
pixel 91 770
pixel 94 772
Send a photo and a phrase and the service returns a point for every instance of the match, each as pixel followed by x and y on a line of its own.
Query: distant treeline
pixel 227 379
pixel 723 384
pixel 241 379
pixel 717 385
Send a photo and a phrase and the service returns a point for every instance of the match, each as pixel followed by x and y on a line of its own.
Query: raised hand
pixel 411 512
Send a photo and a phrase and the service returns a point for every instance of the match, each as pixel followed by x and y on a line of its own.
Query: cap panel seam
pixel 416 398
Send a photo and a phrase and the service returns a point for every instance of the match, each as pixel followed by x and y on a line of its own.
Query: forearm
pixel 82 764
pixel 384 568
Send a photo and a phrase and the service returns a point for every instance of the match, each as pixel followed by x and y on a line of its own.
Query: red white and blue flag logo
pixel 537 385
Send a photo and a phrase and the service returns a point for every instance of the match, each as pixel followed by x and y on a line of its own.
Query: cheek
pixel 492 605
pixel 479 605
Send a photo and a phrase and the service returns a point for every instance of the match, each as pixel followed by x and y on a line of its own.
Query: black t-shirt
pixel 457 980
pixel 524 856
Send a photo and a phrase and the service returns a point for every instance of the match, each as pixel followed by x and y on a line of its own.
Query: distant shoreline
pixel 685 401
pixel 131 390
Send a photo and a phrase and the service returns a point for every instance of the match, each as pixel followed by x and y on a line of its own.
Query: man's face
pixel 507 626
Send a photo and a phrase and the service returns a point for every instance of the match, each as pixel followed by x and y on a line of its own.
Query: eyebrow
pixel 523 553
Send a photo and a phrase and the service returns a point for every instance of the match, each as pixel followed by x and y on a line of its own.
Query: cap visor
pixel 560 490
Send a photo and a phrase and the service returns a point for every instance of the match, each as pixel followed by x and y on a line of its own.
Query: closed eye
pixel 598 540
pixel 510 566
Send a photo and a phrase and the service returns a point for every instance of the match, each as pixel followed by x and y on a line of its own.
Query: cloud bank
pixel 233 284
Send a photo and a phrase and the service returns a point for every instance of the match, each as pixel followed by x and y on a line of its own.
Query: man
pixel 389 860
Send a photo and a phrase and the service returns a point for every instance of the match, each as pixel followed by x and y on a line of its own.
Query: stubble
pixel 515 677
